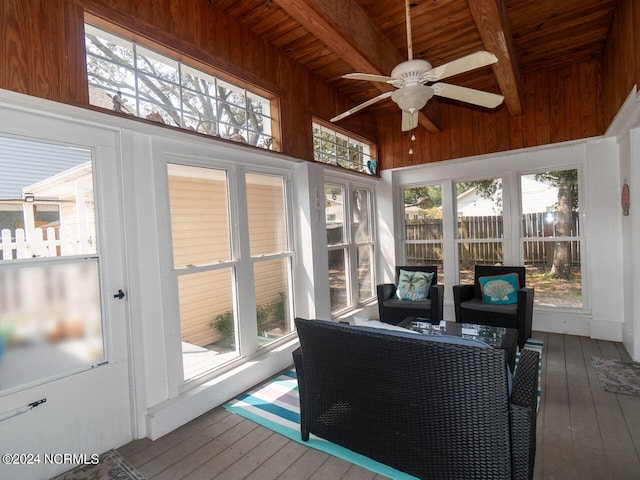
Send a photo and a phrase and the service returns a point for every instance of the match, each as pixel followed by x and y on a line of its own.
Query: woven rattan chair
pixel 470 308
pixel 393 310
pixel 430 409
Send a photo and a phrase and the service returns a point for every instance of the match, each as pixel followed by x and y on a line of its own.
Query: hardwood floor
pixel 583 433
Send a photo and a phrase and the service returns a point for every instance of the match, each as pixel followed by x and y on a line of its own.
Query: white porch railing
pixel 39 244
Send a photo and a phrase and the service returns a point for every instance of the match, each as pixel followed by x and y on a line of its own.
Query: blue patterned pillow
pixel 500 289
pixel 413 285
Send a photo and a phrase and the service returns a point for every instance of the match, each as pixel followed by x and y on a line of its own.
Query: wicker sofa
pixel 427 407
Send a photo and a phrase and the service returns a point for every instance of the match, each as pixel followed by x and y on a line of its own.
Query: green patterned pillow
pixel 413 285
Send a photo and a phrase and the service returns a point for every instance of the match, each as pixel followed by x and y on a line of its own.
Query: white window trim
pixel 493 166
pixel 348 182
pixel 240 262
pixel 584 279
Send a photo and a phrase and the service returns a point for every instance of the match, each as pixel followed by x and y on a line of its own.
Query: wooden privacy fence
pixel 49 242
pixel 539 227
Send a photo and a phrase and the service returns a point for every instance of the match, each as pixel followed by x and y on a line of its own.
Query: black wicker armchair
pixel 430 409
pixel 394 310
pixel 470 308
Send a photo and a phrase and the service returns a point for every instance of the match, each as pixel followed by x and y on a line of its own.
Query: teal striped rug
pixel 275 405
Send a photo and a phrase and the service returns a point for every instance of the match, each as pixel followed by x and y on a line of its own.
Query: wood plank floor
pixel 583 433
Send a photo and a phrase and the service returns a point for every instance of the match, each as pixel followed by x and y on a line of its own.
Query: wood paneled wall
pixel 41 54
pixel 560 105
pixel 621 60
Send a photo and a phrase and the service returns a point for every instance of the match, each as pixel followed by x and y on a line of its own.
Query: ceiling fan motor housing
pixel 411 72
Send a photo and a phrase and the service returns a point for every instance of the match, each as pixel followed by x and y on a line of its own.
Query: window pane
pixel 334 211
pixel 554 270
pixel 50 321
pixel 266 214
pixel 361 203
pixel 50 315
pixel 338 287
pixel 550 208
pixel 156 65
pixel 479 207
pixel 424 254
pixel 272 299
pixel 336 148
pixel 423 213
pixel 550 204
pixel 423 225
pixel 366 288
pixel 47 206
pixel 200 125
pixel 471 254
pixel 207 320
pixel 198 82
pixel 199 215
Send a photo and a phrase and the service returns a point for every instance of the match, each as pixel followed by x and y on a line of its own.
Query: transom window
pixel 127 77
pixel 334 148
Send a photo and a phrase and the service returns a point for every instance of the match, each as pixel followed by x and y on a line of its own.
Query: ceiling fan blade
pixel 463 64
pixel 409 120
pixel 368 77
pixel 357 108
pixel 468 95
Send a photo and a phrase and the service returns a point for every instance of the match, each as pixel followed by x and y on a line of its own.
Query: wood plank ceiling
pixel 335 37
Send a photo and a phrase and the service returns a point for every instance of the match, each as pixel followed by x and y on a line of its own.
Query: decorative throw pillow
pixel 413 285
pixel 500 289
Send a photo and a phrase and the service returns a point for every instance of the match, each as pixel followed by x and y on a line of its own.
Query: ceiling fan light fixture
pixel 413 97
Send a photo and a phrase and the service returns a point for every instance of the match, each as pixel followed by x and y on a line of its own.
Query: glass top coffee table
pixel 497 337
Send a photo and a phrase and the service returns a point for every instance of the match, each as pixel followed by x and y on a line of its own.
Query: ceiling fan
pixel 414 80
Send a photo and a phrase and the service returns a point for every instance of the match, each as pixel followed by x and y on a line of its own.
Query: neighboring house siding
pixel 22 167
pixel 205 303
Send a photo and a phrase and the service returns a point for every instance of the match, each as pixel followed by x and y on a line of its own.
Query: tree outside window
pixel 551 238
pixel 127 77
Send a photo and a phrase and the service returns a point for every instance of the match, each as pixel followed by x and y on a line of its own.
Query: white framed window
pixel 551 236
pixel 232 262
pixel 531 217
pixel 480 230
pixel 424 233
pixel 346 151
pixel 131 78
pixel 271 254
pixel 351 244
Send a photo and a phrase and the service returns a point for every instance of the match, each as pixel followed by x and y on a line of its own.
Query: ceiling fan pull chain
pixel 412 138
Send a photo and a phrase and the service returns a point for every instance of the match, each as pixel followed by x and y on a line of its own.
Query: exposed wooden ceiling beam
pixel 495 30
pixel 347 30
